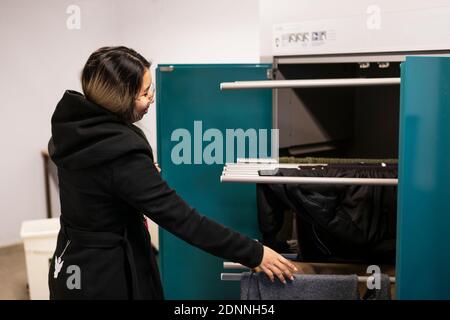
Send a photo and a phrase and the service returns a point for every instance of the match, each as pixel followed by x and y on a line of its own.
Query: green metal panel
pixel 423 253
pixel 191 93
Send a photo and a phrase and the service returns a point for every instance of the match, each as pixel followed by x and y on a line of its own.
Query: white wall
pixel 198 31
pixel 40 58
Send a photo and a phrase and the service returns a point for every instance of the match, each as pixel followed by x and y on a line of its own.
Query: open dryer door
pixel 190 102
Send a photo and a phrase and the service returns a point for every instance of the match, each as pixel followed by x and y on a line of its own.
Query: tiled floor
pixel 13 276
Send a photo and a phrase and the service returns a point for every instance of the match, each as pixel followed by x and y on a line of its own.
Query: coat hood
pixel 85 134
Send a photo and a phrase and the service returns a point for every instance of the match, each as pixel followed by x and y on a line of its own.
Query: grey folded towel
pixel 304 287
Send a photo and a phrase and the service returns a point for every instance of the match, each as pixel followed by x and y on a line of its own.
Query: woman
pixel 108 179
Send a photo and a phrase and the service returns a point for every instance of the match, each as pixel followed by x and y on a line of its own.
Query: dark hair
pixel 112 78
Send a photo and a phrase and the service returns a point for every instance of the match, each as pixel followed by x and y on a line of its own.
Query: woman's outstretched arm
pixel 136 180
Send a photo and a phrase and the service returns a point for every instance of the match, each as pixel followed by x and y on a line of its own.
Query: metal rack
pixel 238 276
pixel 248 172
pixel 228 276
pixel 313 83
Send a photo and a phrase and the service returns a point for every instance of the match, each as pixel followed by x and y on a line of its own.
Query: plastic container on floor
pixel 39 237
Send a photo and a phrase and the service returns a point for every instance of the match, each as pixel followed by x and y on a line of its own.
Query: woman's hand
pixel 274 264
pixel 157 167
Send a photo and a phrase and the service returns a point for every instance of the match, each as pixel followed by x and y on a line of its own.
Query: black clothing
pixel 334 222
pixel 107 180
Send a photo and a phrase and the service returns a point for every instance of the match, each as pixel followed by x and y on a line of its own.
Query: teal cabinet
pixel 189 95
pixel 423 247
pixel 189 98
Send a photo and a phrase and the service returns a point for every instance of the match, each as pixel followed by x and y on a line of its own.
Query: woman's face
pixel 146 95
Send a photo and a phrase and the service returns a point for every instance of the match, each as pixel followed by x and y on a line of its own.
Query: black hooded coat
pixel 107 182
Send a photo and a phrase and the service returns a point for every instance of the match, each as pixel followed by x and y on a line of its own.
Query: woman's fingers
pixel 277 273
pixel 287 267
pixel 272 271
pixel 275 265
pixel 268 272
pixel 287 263
pixel 284 269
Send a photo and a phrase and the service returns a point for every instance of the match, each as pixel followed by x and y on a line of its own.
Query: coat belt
pixel 101 239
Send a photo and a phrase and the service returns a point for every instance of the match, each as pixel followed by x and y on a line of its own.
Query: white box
pixel 39 237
